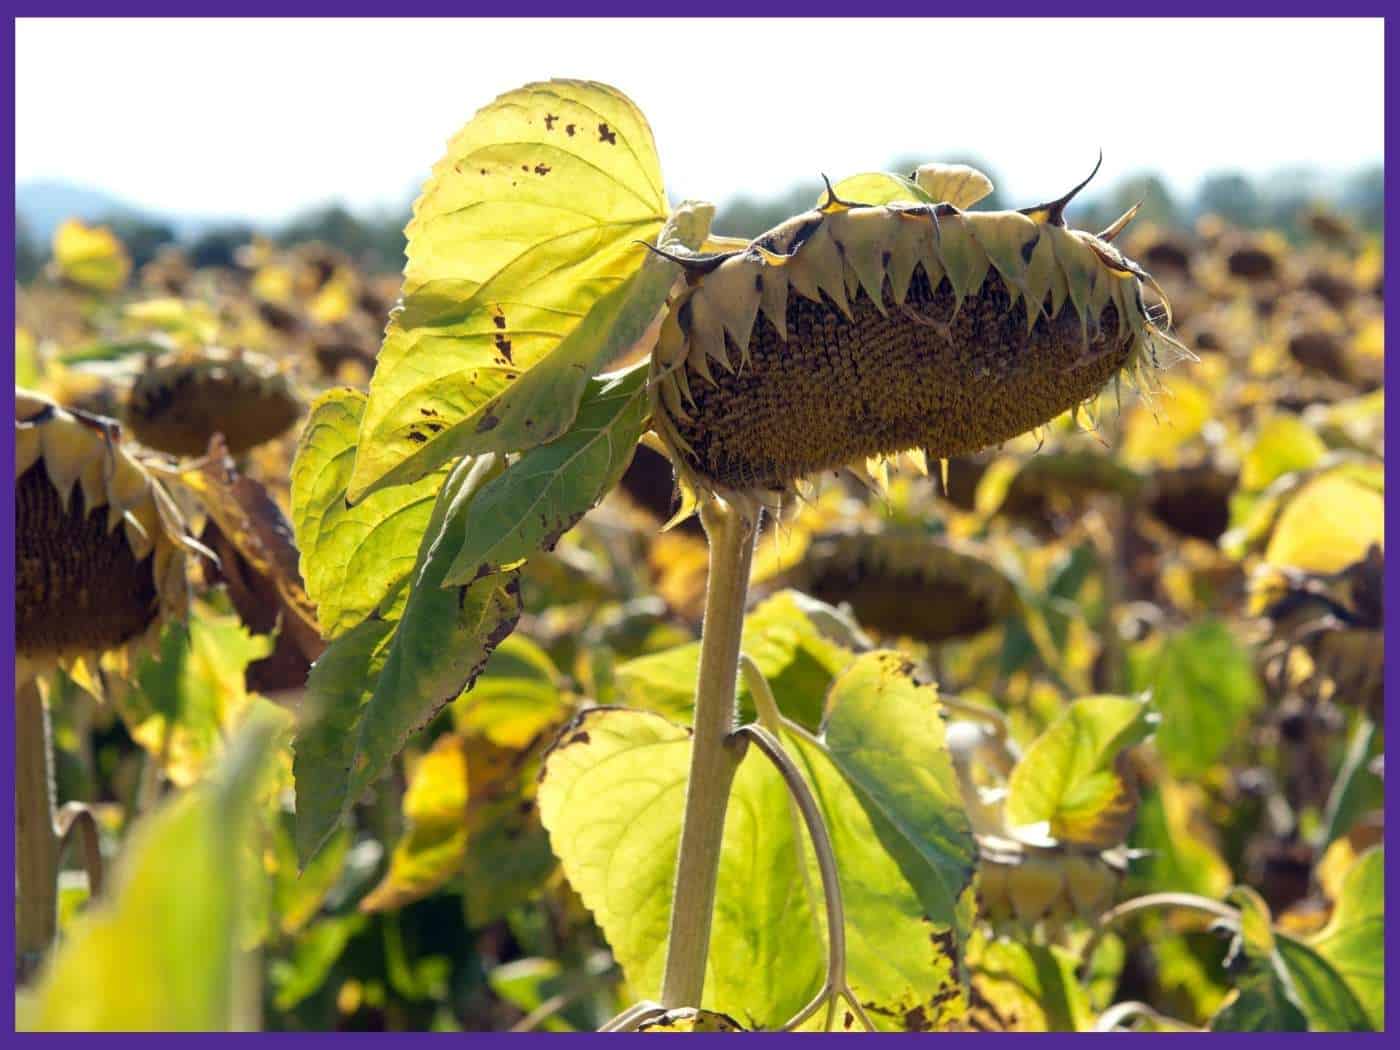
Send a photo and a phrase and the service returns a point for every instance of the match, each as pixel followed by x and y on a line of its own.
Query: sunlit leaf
pixel 159 951
pixel 1353 940
pixel 1025 988
pixel 516 698
pixel 789 646
pixel 434 840
pixel 879 187
pixel 612 795
pixel 1071 778
pixel 531 218
pixel 542 495
pixel 1282 445
pixel 352 558
pixel 184 702
pixel 1328 525
pixel 90 256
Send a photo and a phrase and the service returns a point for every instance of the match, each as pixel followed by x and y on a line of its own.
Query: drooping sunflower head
pixel 907 584
pixel 852 333
pixel 99 555
pixel 178 403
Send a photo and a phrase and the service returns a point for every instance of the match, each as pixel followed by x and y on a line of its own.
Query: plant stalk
pixel 37 844
pixel 731 533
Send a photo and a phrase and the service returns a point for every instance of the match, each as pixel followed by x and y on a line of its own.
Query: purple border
pixel 715 8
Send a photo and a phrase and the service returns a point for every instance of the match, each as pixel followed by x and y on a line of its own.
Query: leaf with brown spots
pixel 518 221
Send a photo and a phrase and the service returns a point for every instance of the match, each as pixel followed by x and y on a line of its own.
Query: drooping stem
pixel 835 986
pixel 1148 902
pixel 36 843
pixel 731 532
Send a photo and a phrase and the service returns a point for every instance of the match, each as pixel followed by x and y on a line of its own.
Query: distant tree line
pixel 376 241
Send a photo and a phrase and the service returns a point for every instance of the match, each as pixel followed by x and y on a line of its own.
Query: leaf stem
pixel 835 987
pixel 1113 1018
pixel 1147 902
pixel 731 530
pixel 36 843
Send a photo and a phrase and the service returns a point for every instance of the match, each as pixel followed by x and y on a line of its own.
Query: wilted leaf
pixel 1203 684
pixel 1070 777
pixel 434 840
pixel 529 220
pixel 250 519
pixel 127 963
pixel 543 494
pixel 353 558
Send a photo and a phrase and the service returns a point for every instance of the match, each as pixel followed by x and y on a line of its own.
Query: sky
pixel 261 119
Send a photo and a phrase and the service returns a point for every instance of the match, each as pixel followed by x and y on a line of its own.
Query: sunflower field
pixel 917 617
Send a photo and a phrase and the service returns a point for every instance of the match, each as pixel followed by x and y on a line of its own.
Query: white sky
pixel 262 118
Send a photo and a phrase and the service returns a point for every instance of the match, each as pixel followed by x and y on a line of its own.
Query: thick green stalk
pixel 36 843
pixel 731 534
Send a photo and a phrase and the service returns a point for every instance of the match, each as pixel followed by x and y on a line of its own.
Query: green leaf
pixel 508 860
pixel 886 734
pixel 528 983
pixel 530 219
pixel 1325 998
pixel 785 640
pixel 178 889
pixel 298 895
pixel 185 701
pixel 1070 779
pixel 352 557
pixel 612 796
pixel 1175 835
pixel 434 840
pixel 1261 1003
pixel 339 686
pixel 435 652
pixel 1203 684
pixel 1353 940
pixel 313 954
pixel 543 494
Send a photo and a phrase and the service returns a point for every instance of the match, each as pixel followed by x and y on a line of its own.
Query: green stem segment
pixel 37 845
pixel 731 533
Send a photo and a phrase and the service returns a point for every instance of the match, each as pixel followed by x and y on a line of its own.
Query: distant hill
pixel 44 203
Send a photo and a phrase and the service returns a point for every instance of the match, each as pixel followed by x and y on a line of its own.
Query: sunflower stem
pixel 36 840
pixel 731 532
